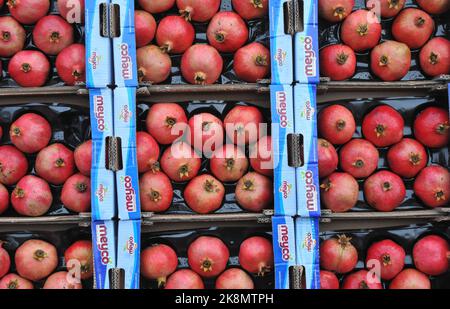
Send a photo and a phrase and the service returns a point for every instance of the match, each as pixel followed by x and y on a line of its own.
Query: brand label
pixel 101 192
pixel 125 114
pixel 309 243
pixel 99 111
pixel 102 243
pixel 308 111
pixel 131 245
pixel 311 191
pixel 127 72
pixel 285 189
pixel 130 195
pixel 281 99
pixel 310 57
pixel 283 242
pixel 280 57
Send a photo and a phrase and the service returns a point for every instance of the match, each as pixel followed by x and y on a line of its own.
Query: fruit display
pixel 383 40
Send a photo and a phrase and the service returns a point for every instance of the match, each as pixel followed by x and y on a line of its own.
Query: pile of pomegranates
pixel 392 35
pixel 207 156
pixel 383 159
pixel 167 36
pixel 33 38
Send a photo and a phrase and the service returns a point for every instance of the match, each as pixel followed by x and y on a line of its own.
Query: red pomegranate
pixel 361 280
pixel 153 64
pixel 71 64
pixel 261 156
pixel 79 254
pixel 52 34
pixel 13 165
pixel 254 192
pixel 208 256
pixel 32 196
pixel 431 255
pixel 156 7
pixel 30 133
pixel 28 11
pixel 336 124
pixel 175 35
pixel 390 60
pixel 198 10
pixel 29 68
pixel 12 38
pixel 256 255
pixel 145 27
pixel 338 254
pixel 410 279
pixel 156 192
pixel 252 62
pixel 83 158
pixel 184 279
pixel 328 158
pixel 5 261
pixel 338 62
pixel 204 194
pixel 388 256
pixel 206 132
pixel 36 259
pixel 55 163
pixel 158 262
pixel 339 192
pixel 251 9
pixel 432 186
pixel 361 30
pixel 359 158
pixel 328 280
pixel 62 280
pixel 335 10
pixel 166 122
pixel 147 152
pixel 243 125
pixel 234 279
pixel 413 27
pixel 432 127
pixel 407 158
pixel 76 193
pixel 15 282
pixel 201 64
pixel 227 32
pixel 434 7
pixel 388 8
pixel 180 162
pixel 4 200
pixel 229 163
pixel 383 126
pixel 72 10
pixel 384 191
pixel 435 57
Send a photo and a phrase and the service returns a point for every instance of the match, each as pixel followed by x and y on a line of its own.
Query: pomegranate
pixel 147 152
pixel 407 158
pixel 14 282
pixel 328 280
pixel 83 158
pixel 12 38
pixel 156 192
pixel 204 194
pixel 61 281
pixel 431 255
pixel 156 6
pixel 175 35
pixel 388 8
pixel 256 255
pixel 434 7
pixel 4 200
pixel 389 256
pixel 234 279
pixel 339 192
pixel 13 165
pixel 227 32
pixel 338 254
pixel 206 132
pixel 184 279
pixel 158 262
pixel 384 191
pixel 410 279
pixel 335 10
pixel 432 127
pixel 30 133
pixel 361 280
pixel 166 122
pixel 390 60
pixel 52 34
pixel 251 9
pixel 55 163
pixel 36 259
pixel 180 162
pixel 71 10
pixel 201 64
pixel 5 261
pixel 435 57
pixel 198 10
pixel 338 62
pixel 243 125
pixel 254 192
pixel 359 158
pixel 229 163
pixel 81 252
pixel 261 157
pixel 71 65
pixel 28 11
pixel 29 68
pixel 76 193
pixel 252 62
pixel 383 126
pixel 336 124
pixel 145 27
pixel 432 186
pixel 208 256
pixel 32 196
pixel 361 30
pixel 153 64
pixel 413 21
